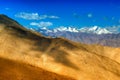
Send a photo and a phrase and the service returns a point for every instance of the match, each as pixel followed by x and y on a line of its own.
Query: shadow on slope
pixel 11 70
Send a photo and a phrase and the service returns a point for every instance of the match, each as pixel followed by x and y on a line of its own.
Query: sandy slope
pixel 80 61
pixel 12 70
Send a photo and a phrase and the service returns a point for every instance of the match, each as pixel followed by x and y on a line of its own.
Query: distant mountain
pixel 92 30
pixel 92 35
pixel 26 54
pixel 95 30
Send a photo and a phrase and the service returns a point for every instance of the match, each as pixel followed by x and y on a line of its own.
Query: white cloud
pixel 41 24
pixel 34 16
pixel 53 17
pixel 28 16
pixel 90 15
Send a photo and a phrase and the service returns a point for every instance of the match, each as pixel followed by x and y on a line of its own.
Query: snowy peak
pixel 68 29
pixel 92 30
pixel 95 30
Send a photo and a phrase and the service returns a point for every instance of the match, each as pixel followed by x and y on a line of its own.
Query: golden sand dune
pixel 61 56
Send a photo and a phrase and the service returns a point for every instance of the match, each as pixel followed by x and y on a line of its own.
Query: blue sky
pixel 55 13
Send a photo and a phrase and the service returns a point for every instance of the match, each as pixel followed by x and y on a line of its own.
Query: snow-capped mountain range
pixel 96 30
pixel 109 36
pixel 93 30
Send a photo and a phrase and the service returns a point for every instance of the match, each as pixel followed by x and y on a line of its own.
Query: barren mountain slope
pixel 80 61
pixel 13 70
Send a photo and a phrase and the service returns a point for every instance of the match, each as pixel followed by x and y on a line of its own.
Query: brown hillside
pixel 80 61
pixel 11 70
